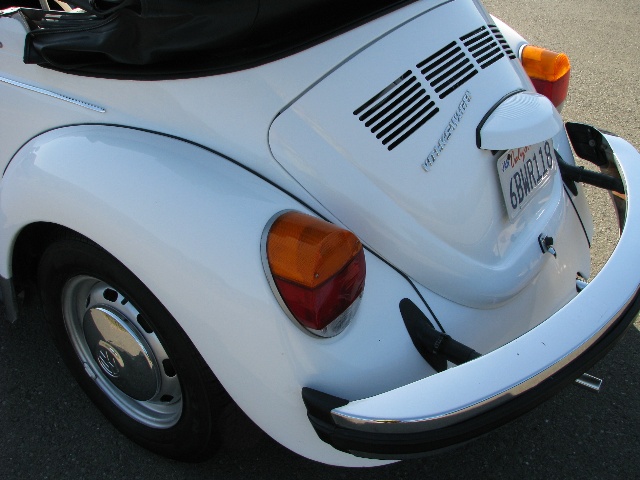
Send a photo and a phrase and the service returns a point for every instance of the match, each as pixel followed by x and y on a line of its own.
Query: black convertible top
pixel 185 38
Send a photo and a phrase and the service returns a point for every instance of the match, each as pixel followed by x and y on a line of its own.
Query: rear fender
pixel 188 223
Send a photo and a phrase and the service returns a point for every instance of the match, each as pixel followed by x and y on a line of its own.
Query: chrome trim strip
pixel 591 383
pixel 49 93
pixel 267 269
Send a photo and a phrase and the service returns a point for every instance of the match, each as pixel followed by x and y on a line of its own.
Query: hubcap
pixel 121 352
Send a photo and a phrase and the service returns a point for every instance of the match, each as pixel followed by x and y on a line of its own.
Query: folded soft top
pixel 146 38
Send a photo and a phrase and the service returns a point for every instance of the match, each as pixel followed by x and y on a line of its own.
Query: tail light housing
pixel 316 270
pixel 549 71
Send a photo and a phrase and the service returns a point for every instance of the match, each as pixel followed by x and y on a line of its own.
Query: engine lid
pixel 388 143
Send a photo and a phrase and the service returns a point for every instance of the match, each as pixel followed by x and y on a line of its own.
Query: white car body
pixel 178 178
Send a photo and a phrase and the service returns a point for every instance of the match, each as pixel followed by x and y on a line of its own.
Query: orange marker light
pixel 549 71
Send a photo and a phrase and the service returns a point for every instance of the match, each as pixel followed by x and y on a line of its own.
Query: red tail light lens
pixel 549 71
pixel 318 270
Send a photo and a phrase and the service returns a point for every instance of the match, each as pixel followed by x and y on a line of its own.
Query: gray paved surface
pixel 48 429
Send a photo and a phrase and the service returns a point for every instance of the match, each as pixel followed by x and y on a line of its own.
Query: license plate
pixel 523 172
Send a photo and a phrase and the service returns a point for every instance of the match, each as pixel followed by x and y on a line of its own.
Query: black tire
pixel 128 353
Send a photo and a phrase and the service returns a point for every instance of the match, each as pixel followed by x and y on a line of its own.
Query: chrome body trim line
pixel 591 383
pixel 49 93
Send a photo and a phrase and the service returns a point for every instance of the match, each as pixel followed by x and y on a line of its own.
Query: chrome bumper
pixel 471 399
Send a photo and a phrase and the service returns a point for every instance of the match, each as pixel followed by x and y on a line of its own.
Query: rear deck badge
pixel 448 131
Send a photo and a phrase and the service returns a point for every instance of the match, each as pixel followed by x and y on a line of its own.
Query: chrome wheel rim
pixel 120 352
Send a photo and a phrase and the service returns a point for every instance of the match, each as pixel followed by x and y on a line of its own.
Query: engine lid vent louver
pixel 397 111
pixel 503 43
pixel 403 106
pixel 447 69
pixel 483 46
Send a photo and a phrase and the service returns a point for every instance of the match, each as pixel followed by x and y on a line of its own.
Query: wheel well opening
pixel 28 248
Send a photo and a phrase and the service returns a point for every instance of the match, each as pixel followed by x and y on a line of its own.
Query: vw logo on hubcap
pixel 109 359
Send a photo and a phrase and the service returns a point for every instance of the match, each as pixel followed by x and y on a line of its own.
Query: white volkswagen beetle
pixel 363 225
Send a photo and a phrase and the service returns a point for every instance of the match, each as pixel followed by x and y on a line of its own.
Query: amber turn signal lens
pixel 318 269
pixel 549 71
pixel 544 64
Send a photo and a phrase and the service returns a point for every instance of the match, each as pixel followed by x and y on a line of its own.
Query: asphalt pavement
pixel 49 429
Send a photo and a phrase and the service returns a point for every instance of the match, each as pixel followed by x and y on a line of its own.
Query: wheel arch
pixel 185 221
pixel 19 284
pixel 28 247
pixel 71 180
pixel 188 224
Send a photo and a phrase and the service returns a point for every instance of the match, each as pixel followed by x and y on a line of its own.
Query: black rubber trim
pixel 582 175
pixel 437 348
pixel 409 445
pixel 320 404
pixel 589 143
